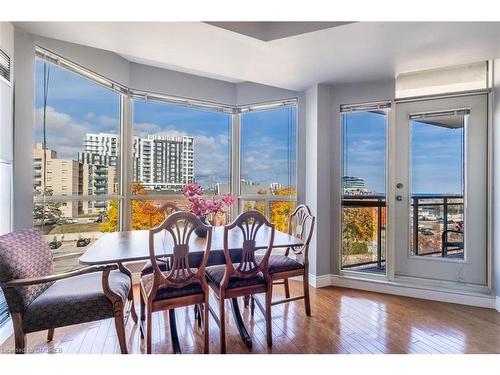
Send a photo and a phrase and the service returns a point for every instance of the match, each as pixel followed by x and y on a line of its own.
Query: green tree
pixel 48 211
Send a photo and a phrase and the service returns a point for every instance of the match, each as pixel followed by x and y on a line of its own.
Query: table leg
pixel 239 323
pixel 173 331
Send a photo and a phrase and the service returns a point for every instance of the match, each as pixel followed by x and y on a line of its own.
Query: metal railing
pixel 266 198
pixel 439 203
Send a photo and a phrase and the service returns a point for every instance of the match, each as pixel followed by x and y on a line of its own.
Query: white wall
pixel 496 183
pixel 6 131
pixel 317 175
pixel 6 149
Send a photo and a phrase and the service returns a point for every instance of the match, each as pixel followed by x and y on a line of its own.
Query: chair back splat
pixel 180 226
pixel 249 224
pixel 301 225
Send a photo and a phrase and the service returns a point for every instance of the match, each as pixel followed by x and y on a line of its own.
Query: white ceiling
pixel 354 52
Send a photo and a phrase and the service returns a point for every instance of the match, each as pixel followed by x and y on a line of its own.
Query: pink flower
pixel 200 206
pixel 228 199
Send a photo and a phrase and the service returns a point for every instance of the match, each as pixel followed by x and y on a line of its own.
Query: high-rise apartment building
pixel 101 148
pixel 159 162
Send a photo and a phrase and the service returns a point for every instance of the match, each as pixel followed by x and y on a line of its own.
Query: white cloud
pixel 64 134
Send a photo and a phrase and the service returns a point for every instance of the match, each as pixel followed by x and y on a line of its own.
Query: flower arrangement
pixel 203 207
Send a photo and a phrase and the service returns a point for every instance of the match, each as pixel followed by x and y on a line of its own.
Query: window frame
pixel 387 106
pixel 268 198
pixel 127 96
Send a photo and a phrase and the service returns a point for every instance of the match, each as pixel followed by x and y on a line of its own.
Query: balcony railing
pixel 435 214
pixel 376 202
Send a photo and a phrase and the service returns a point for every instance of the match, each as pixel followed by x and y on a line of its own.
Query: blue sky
pixel 77 106
pixel 435 154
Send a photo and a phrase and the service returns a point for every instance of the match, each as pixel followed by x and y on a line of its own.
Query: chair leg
pixel 199 317
pixel 252 305
pixel 205 326
pixel 132 305
pixel 269 323
pixel 120 329
pixel 50 334
pixel 149 330
pixel 19 336
pixel 246 301
pixel 307 302
pixel 222 318
pixel 287 288
pixel 143 317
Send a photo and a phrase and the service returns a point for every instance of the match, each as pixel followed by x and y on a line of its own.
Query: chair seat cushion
pixel 168 292
pixel 282 263
pixel 148 267
pixel 74 300
pixel 216 274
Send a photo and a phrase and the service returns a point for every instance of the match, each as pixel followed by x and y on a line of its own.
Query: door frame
pixel 391 198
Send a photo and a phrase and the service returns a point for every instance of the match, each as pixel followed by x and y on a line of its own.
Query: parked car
pixel 91 220
pixel 55 244
pixel 82 242
pixel 71 220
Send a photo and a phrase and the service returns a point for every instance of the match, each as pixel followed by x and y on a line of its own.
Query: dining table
pixel 133 246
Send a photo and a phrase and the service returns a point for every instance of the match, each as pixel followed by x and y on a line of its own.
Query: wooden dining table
pixel 133 246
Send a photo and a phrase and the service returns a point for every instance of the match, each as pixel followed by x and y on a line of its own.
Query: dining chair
pixel 166 209
pixel 39 300
pixel 247 276
pixel 282 266
pixel 181 284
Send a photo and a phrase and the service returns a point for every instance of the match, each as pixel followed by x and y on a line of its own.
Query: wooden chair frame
pixel 249 223
pixel 166 209
pixel 118 304
pixel 180 273
pixel 301 215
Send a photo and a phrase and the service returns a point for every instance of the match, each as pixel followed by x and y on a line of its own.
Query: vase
pixel 199 231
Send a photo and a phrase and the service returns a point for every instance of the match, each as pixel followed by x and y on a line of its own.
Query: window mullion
pixel 126 118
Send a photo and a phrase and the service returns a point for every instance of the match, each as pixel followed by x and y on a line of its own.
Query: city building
pixel 62 177
pixel 353 184
pixel 159 162
pixel 99 179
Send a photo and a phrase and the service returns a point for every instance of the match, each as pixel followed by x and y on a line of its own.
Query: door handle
pixel 399 198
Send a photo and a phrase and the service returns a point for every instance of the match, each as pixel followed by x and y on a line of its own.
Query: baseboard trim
pixel 6 330
pixel 423 292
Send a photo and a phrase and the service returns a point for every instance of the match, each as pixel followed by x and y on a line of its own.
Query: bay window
pixel 79 190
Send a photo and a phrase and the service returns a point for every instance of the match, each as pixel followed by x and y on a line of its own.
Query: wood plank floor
pixel 342 321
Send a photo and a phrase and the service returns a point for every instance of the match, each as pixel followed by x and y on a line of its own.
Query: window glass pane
pixel 438 185
pixel 175 145
pixel 268 151
pixel 268 162
pixel 76 143
pixel 69 236
pixel 363 190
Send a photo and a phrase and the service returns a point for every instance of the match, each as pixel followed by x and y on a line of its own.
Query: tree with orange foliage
pixel 358 229
pixel 144 214
pixel 280 210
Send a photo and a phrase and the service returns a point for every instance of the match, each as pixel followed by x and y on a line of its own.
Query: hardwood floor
pixel 342 321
